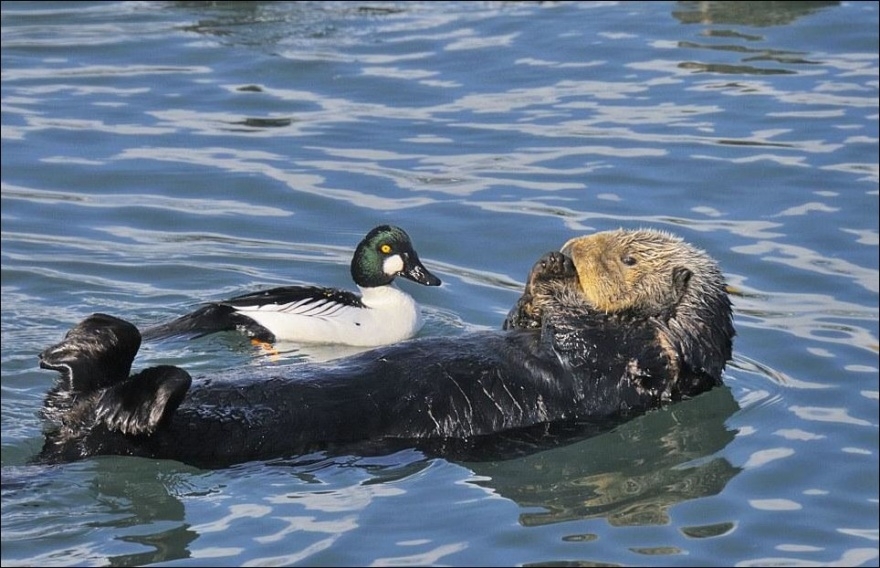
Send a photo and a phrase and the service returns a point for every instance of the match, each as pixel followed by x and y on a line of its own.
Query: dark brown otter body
pixel 583 362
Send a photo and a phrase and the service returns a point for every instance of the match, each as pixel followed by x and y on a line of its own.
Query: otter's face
pixel 644 271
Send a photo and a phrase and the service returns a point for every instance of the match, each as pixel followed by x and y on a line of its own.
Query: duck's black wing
pixel 285 297
pixel 230 315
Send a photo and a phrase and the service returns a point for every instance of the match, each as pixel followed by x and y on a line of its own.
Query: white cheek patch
pixel 392 265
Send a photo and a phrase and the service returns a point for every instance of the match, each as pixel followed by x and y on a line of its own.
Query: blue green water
pixel 159 154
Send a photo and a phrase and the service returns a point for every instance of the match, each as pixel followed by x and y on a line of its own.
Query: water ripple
pixel 156 155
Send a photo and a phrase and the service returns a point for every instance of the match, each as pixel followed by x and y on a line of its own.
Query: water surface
pixel 159 154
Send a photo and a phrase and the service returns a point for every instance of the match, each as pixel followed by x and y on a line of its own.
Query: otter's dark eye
pixel 628 260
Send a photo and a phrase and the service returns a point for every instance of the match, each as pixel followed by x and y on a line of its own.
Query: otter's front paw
pixel 552 266
pixel 528 311
pixel 523 315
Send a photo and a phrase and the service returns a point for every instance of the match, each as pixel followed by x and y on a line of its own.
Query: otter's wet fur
pixel 561 360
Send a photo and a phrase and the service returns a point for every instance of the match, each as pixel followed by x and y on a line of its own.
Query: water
pixel 155 155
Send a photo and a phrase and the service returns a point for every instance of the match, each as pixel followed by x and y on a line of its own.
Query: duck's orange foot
pixel 265 346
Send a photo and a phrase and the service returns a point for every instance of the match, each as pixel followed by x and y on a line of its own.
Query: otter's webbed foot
pixel 528 310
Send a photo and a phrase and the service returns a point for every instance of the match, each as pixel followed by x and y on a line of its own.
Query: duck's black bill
pixel 414 270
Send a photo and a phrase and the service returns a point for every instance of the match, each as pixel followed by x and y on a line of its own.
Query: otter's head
pixel 654 274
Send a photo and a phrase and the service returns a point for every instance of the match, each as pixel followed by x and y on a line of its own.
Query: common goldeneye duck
pixel 379 315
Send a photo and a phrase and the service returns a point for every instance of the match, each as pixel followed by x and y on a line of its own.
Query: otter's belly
pixel 427 389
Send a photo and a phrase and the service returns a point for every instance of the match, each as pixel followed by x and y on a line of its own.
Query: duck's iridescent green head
pixel 385 253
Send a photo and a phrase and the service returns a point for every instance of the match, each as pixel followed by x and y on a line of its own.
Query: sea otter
pixel 614 325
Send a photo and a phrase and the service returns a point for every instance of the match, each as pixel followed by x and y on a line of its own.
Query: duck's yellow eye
pixel 385 249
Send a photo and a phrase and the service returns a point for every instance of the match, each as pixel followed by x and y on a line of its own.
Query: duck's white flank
pixel 389 315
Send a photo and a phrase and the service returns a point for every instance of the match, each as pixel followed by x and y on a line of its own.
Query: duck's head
pixel 385 253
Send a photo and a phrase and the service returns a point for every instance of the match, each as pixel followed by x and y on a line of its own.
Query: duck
pixel 609 327
pixel 380 314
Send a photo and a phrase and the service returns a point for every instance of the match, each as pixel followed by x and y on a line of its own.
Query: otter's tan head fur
pixel 646 271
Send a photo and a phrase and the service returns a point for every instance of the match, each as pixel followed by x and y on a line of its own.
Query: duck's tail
pixel 208 319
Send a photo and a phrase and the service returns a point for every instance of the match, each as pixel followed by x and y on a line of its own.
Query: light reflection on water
pixel 156 155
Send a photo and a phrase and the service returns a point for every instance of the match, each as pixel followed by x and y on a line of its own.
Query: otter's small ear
pixel 140 404
pixel 681 277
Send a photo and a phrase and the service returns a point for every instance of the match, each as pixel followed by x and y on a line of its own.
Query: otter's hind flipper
pixel 95 407
pixel 94 354
pixel 139 404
